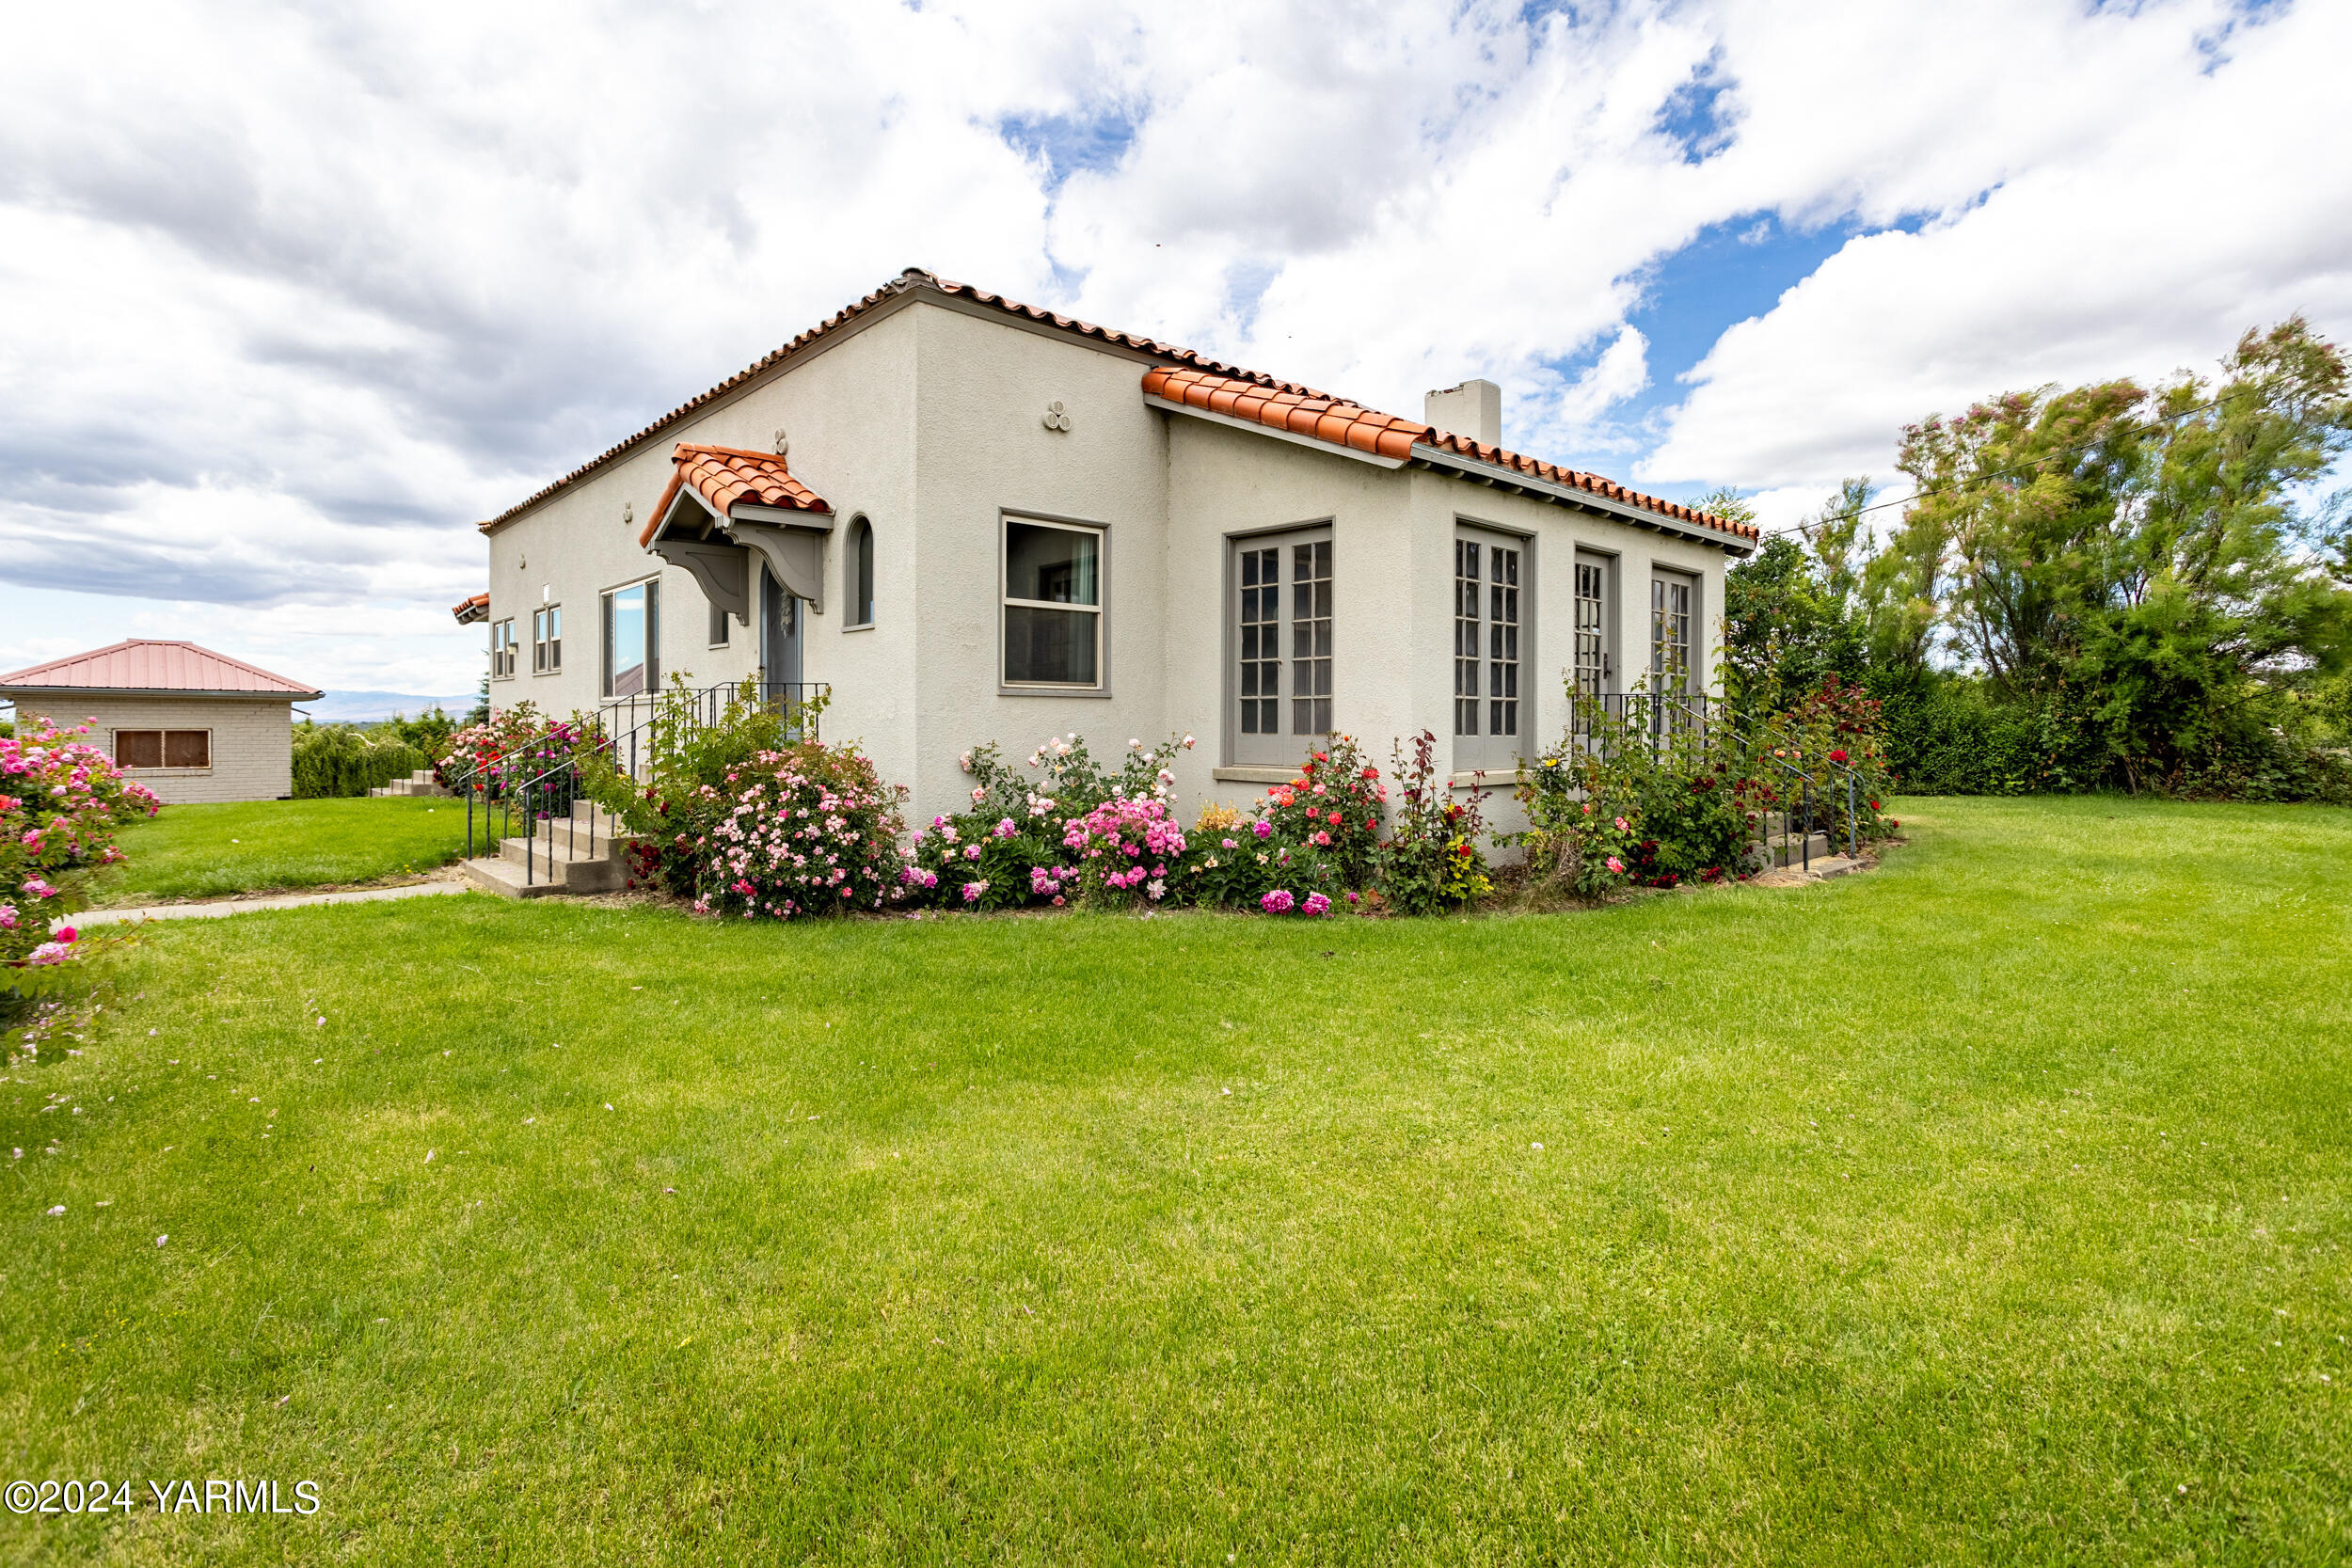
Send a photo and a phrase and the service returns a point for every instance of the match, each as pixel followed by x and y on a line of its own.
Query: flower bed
pixel 61 799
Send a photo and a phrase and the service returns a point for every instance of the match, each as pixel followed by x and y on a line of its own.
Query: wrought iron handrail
pixel 1760 748
pixel 652 713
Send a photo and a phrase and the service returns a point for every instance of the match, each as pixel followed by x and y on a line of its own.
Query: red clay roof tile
pixel 1348 425
pixel 724 476
pixel 1189 378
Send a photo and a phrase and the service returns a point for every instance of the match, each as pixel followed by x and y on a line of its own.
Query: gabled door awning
pixel 721 504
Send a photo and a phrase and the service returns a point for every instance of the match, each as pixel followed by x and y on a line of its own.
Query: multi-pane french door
pixel 1282 647
pixel 1670 596
pixel 1594 671
pixel 1489 572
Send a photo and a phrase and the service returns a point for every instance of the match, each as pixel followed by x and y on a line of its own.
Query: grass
pixel 1990 1207
pixel 261 846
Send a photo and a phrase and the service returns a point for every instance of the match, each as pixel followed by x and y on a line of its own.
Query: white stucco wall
pixel 252 745
pixel 928 420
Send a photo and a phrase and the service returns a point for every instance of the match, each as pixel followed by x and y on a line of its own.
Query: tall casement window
pixel 1281 631
pixel 632 635
pixel 1488 609
pixel 1053 603
pixel 1594 671
pixel 547 640
pixel 719 634
pixel 1669 610
pixel 861 565
pixel 502 649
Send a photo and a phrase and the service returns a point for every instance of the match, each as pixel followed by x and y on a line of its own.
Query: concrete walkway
pixel 285 901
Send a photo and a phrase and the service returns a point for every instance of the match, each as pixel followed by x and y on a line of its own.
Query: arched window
pixel 861 572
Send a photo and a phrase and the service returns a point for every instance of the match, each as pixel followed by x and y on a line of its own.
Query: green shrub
pixel 335 760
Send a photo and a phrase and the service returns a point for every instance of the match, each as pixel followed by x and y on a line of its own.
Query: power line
pixel 1997 473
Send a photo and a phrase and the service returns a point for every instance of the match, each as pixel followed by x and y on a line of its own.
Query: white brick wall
pixel 252 740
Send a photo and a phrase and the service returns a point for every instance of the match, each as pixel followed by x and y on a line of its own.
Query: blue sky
pixel 293 299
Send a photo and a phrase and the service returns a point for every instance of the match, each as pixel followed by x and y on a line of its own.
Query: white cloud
pixel 294 297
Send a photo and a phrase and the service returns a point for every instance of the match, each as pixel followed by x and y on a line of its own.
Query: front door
pixel 779 638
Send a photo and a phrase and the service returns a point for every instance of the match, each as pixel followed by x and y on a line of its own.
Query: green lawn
pixel 1990 1207
pixel 250 845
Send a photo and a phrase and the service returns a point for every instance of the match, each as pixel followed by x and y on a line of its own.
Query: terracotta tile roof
pixel 1192 379
pixel 1348 425
pixel 143 665
pixel 1301 413
pixel 910 282
pixel 726 475
pixel 469 610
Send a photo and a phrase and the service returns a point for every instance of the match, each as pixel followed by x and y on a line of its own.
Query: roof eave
pixel 1436 458
pixel 1312 443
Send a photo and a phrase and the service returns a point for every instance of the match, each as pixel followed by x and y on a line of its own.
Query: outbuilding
pixel 190 724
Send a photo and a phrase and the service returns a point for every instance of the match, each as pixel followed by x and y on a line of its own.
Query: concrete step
pixel 1797 851
pixel 413 784
pixel 505 878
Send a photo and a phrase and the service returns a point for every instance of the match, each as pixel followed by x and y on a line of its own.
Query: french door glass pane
pixel 1310 638
pixel 1465 554
pixel 1591 668
pixel 1670 634
pixel 1261 641
pixel 1502 640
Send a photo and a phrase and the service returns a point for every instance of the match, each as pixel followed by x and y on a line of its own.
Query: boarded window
pixel 139 748
pixel 187 748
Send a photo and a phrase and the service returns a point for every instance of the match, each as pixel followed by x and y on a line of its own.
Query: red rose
pixel 1838 756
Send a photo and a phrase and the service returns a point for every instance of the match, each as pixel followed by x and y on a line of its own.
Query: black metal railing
pixel 1766 743
pixel 632 734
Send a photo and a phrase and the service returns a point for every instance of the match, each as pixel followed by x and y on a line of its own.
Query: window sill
pixel 1506 778
pixel 167 772
pixel 1254 774
pixel 1003 690
pixel 859 625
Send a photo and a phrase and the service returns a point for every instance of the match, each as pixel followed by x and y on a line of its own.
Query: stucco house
pixel 189 724
pixel 977 520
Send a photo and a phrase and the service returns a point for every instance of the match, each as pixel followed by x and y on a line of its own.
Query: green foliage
pixel 337 760
pixel 1615 803
pixel 1431 863
pixel 428 731
pixel 2125 585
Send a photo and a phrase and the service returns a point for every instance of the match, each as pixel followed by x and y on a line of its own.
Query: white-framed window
pixel 860 562
pixel 1279 633
pixel 547 640
pixel 1490 586
pixel 632 639
pixel 1672 601
pixel 1053 605
pixel 151 749
pixel 502 649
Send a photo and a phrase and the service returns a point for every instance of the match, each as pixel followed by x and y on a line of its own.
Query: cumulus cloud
pixel 295 298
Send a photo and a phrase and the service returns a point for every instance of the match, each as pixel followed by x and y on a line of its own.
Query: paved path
pixel 287 901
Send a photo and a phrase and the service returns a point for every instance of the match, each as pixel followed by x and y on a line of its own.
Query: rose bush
pixel 61 800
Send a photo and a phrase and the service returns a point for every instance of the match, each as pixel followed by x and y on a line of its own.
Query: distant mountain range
pixel 364 706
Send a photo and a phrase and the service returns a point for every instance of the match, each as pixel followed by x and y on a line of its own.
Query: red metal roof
pixel 144 665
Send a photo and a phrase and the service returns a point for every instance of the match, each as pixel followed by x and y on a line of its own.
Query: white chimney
pixel 1474 409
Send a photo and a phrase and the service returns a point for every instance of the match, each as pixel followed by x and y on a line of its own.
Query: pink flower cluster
pixel 1280 902
pixel 805 831
pixel 65 799
pixel 1124 844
